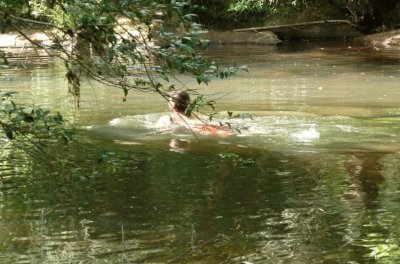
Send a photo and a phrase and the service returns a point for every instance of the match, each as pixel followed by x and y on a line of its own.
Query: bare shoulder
pixel 214 130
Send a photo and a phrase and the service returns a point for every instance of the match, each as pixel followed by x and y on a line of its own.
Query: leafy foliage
pixel 32 123
pixel 236 160
pixel 133 45
pixel 263 7
pixel 364 13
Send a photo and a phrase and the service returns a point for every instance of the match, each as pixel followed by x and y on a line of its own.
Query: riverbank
pixel 383 39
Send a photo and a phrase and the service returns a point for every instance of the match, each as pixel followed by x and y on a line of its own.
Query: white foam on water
pixel 136 121
pixel 309 134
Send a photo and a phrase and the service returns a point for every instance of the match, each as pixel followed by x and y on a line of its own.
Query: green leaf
pixel 244 68
pixel 189 16
pixel 58 119
pixel 228 155
pixel 9 132
pixel 7 94
pixel 202 79
pixel 3 57
pixel 187 40
pixel 28 118
pixel 110 55
pixel 204 43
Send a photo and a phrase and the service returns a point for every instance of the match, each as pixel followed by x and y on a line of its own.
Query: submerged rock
pixel 384 39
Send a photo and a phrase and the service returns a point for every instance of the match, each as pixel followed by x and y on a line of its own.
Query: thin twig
pixel 30 20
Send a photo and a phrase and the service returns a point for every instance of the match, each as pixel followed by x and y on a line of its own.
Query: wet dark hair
pixel 181 100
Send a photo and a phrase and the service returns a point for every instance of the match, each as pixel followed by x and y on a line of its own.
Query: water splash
pixel 306 135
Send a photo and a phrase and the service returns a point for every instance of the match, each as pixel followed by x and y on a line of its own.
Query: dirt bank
pixel 384 39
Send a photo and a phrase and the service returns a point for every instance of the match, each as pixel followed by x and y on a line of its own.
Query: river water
pixel 312 177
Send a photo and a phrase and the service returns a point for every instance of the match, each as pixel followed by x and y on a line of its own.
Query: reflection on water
pixel 312 177
pixel 364 180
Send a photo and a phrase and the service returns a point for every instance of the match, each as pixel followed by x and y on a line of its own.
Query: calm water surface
pixel 321 183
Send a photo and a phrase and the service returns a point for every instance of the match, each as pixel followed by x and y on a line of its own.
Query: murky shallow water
pixel 312 178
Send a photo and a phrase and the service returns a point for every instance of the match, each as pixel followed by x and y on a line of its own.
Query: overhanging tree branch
pixel 31 21
pixel 304 24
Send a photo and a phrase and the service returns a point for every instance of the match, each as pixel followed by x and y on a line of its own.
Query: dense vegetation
pixel 368 15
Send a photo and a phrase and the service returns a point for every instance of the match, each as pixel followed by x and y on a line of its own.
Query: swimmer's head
pixel 179 101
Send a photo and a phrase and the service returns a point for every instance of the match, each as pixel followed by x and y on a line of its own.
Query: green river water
pixel 321 182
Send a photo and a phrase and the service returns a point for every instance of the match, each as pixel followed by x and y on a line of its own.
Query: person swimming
pixel 181 115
